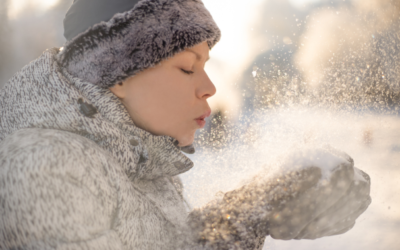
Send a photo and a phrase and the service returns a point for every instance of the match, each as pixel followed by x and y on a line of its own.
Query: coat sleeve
pixel 56 192
pixel 215 226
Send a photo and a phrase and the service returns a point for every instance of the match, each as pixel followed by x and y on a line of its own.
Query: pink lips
pixel 200 120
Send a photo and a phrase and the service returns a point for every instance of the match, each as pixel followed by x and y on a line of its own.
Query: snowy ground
pixel 372 140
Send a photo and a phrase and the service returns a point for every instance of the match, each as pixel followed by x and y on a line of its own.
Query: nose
pixel 206 88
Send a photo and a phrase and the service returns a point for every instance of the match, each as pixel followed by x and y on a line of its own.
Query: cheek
pixel 166 106
pixel 175 100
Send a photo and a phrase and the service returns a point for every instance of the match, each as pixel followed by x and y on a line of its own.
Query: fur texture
pixel 154 30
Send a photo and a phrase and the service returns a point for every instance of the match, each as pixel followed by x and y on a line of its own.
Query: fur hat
pixel 139 35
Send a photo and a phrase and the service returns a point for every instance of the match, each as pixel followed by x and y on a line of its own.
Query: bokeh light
pixel 17 7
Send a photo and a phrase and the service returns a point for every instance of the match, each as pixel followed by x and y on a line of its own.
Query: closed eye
pixel 187 72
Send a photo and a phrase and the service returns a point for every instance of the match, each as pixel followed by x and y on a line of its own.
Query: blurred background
pixel 289 74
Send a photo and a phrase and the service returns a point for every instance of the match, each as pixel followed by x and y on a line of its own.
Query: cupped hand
pixel 328 199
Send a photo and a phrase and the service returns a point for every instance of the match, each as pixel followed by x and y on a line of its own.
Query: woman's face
pixel 167 99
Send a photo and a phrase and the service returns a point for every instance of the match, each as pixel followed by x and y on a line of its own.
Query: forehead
pixel 199 54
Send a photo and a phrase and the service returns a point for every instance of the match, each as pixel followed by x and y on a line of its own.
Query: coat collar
pixel 158 155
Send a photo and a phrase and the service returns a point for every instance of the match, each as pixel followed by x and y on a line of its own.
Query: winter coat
pixel 76 173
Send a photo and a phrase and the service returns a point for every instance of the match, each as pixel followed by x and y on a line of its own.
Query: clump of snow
pixel 326 158
pixel 358 176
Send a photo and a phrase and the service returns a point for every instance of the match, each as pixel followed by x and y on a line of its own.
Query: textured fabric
pixel 83 14
pixel 132 41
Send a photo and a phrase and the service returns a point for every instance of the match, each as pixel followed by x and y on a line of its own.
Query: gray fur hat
pixel 112 40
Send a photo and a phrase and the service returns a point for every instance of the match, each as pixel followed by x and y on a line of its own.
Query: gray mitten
pixel 317 193
pixel 331 197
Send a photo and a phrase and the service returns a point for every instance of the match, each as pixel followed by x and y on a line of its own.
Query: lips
pixel 200 120
pixel 205 115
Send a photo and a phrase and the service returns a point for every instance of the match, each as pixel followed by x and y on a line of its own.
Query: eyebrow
pixel 199 57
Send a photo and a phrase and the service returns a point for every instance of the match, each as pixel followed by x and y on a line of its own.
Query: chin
pixel 186 140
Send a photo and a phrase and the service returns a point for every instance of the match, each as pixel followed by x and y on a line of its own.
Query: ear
pixel 119 90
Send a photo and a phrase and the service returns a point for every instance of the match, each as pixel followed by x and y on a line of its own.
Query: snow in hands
pixel 316 193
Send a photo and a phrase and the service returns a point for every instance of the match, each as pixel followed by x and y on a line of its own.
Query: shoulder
pixel 38 69
pixel 55 185
pixel 55 151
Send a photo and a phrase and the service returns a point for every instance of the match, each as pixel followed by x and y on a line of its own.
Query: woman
pixel 91 138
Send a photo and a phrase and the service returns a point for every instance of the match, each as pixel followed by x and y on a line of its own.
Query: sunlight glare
pixel 18 6
pixel 301 3
pixel 237 48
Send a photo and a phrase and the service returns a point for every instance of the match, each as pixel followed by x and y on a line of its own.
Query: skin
pixel 166 99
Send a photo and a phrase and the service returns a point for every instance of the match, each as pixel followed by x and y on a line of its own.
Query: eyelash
pixel 187 72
